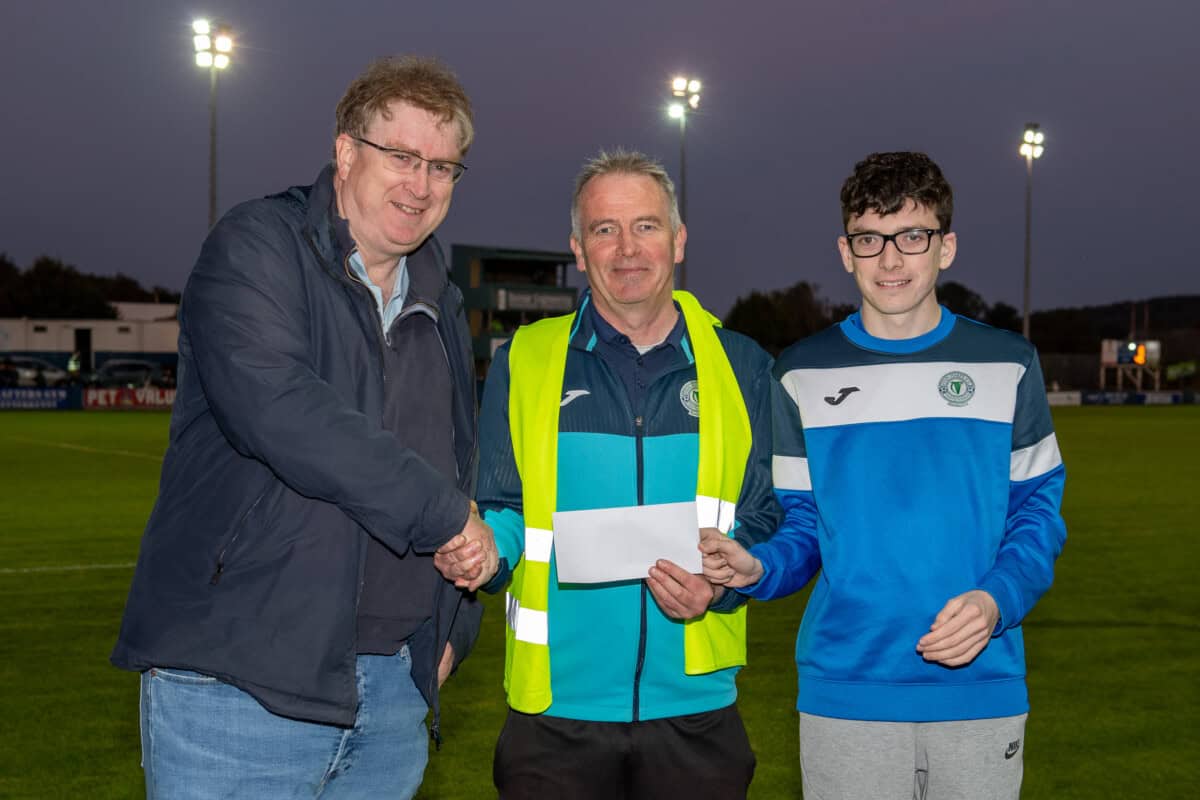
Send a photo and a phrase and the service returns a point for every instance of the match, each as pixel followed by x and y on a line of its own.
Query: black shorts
pixel 696 756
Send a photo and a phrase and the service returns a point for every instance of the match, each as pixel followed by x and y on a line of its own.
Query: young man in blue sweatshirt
pixel 917 465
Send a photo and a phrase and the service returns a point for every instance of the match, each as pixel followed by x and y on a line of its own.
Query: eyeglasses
pixel 912 242
pixel 404 162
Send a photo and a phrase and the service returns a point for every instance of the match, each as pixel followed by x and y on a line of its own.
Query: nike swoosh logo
pixel 572 394
pixel 1013 747
pixel 843 393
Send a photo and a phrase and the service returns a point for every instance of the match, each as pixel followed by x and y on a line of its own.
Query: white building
pixel 96 340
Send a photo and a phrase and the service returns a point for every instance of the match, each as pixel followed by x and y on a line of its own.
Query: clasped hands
pixel 469 559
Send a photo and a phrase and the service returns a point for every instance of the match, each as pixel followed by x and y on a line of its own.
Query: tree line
pixel 778 317
pixel 50 289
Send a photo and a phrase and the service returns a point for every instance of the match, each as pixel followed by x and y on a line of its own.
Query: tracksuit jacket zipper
pixel 639 433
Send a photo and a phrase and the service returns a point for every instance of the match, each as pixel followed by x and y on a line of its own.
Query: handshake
pixel 469 559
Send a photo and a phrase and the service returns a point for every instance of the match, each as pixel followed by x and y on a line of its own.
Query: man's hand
pixel 726 562
pixel 961 629
pixel 445 665
pixel 470 558
pixel 679 593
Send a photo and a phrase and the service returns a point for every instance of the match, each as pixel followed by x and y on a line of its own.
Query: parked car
pixel 130 373
pixel 37 372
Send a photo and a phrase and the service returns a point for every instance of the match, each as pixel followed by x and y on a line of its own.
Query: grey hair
pixel 623 162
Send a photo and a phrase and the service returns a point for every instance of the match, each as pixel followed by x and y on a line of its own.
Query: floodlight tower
pixel 213 42
pixel 685 99
pixel 1031 148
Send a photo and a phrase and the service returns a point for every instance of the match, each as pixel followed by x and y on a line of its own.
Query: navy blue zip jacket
pixel 279 469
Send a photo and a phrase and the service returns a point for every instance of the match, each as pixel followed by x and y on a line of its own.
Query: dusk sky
pixel 105 126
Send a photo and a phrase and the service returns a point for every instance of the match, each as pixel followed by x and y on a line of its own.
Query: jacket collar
pixel 589 328
pixel 330 234
pixel 427 277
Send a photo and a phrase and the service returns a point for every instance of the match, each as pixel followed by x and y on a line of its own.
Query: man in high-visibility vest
pixel 623 689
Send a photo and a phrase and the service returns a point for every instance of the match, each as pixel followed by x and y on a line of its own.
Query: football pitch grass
pixel 1113 649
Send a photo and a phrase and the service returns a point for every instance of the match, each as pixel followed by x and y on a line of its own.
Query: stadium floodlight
pixel 213 42
pixel 684 100
pixel 1032 147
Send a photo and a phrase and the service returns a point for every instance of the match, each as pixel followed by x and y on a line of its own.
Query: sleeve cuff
pixel 509 529
pixel 500 579
pixel 445 522
pixel 1006 601
pixel 731 600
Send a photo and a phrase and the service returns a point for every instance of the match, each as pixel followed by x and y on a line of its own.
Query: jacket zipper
pixel 435 729
pixel 379 335
pixel 237 532
pixel 639 432
pixel 354 279
pixel 638 425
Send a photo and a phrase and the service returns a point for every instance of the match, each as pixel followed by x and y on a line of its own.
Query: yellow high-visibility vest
pixel 537 359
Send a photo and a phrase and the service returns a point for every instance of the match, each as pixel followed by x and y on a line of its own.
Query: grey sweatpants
pixel 976 759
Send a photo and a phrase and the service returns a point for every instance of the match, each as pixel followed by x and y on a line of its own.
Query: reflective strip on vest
pixel 713 512
pixel 527 625
pixel 538 543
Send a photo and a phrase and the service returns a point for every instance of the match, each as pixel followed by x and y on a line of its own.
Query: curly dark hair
pixel 884 182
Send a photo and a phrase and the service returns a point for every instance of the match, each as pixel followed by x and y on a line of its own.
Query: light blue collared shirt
pixel 391 309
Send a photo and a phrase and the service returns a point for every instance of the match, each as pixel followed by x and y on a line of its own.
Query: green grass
pixel 1114 649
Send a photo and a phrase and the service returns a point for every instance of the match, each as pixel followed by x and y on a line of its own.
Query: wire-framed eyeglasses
pixel 406 162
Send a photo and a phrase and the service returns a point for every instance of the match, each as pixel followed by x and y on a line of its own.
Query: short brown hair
pixel 884 182
pixel 425 83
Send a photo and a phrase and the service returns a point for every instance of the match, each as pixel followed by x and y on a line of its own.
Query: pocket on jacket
pixel 232 544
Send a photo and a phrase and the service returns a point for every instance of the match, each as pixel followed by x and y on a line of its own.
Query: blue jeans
pixel 202 738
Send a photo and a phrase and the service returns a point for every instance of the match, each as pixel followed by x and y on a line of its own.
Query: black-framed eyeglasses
pixel 911 242
pixel 405 162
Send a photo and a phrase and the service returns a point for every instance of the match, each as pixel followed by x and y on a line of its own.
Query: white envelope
pixel 619 544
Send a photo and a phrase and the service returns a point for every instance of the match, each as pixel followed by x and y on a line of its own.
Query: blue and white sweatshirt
pixel 911 471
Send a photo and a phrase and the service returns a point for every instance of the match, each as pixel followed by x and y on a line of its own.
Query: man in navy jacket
pixel 290 625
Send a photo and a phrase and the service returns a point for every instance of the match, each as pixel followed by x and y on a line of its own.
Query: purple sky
pixel 106 126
